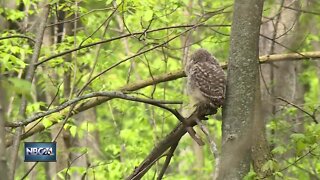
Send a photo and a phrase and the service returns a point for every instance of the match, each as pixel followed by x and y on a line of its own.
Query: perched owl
pixel 206 82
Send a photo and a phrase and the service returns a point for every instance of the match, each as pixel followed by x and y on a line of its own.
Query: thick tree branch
pixel 289 57
pixel 170 140
pixel 99 100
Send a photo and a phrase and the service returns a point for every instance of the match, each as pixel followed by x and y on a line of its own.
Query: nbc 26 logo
pixel 40 151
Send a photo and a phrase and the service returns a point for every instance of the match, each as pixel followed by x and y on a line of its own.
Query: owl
pixel 206 82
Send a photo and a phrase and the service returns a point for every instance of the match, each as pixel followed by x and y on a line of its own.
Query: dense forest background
pixel 105 80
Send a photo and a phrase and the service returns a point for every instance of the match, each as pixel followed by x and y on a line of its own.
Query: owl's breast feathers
pixel 207 79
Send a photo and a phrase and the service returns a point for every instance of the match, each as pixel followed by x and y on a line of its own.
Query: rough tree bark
pixel 30 72
pixel 242 89
pixel 3 157
pixel 64 139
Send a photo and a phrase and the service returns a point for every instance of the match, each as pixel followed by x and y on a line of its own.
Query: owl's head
pixel 201 55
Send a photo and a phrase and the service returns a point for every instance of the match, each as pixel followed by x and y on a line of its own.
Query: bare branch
pixel 212 144
pixel 302 10
pixel 133 56
pixel 74 19
pixel 170 140
pixel 300 108
pixel 167 162
pixel 18 36
pixel 289 57
pixel 106 21
pixel 120 37
pixel 297 160
pixel 110 94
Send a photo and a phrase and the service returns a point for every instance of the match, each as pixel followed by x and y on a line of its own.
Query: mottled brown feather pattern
pixel 205 81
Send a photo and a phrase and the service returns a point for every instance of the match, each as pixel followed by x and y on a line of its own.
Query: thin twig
pixel 74 19
pixel 74 160
pixel 18 36
pixel 300 108
pixel 212 144
pixel 296 161
pixel 280 44
pixel 104 22
pixel 110 94
pixel 120 37
pixel 50 104
pixel 29 170
pixel 136 55
pixel 302 10
pixel 167 162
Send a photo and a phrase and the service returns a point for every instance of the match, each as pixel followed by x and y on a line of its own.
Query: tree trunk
pixel 242 89
pixel 3 158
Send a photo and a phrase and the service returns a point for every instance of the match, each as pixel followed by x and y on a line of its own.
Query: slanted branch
pixel 169 142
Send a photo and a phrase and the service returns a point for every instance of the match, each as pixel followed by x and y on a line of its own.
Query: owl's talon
pixel 204 118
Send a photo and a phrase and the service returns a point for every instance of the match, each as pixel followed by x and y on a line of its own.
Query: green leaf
pixel 46 122
pixel 300 147
pixel 21 86
pixel 298 137
pixel 87 126
pixel 108 2
pixel 73 131
pixel 250 176
pixel 147 15
pixel 279 150
pixel 54 1
pixel 279 174
pixel 270 165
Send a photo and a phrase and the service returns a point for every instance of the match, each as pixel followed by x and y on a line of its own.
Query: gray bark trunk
pixel 242 88
pixel 3 154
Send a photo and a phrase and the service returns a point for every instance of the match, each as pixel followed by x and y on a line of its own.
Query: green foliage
pixel 12 54
pixel 251 176
pixel 303 135
pixel 279 150
pixel 46 122
pixel 19 86
pixel 270 165
pixel 125 132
